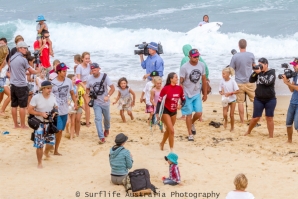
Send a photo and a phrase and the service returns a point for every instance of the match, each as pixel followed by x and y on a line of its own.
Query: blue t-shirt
pixel 153 63
pixel 294 99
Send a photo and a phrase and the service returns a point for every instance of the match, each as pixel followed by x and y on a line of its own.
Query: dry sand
pixel 209 164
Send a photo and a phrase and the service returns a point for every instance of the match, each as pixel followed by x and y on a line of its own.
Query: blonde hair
pixel 229 70
pixel 18 38
pixel 155 80
pixel 240 182
pixel 55 63
pixel 78 58
pixel 84 54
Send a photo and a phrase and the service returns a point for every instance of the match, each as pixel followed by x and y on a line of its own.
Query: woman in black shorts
pixel 173 93
pixel 264 95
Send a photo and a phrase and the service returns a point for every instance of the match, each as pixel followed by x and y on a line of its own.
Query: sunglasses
pixel 62 65
pixel 46 37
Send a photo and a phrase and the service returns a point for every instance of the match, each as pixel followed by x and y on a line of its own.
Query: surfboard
pixel 162 106
pixel 206 28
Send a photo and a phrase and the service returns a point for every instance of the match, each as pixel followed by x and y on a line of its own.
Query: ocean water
pixel 109 30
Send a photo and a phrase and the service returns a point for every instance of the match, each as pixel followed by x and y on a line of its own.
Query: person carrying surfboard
pixel 172 92
pixel 205 20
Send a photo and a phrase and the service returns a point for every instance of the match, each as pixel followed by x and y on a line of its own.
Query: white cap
pixel 22 44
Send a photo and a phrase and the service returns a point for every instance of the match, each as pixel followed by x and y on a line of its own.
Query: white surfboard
pixel 206 28
pixel 162 106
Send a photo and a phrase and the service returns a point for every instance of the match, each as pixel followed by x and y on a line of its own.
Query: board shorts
pixel 41 137
pixel 193 104
pixel 292 116
pixel 61 122
pixel 149 108
pixel 125 103
pixel 249 89
pixel 260 105
pixel 19 96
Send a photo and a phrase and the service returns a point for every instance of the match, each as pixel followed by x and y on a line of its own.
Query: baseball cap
pixel 153 45
pixel 94 65
pixel 295 62
pixel 45 84
pixel 154 73
pixel 194 53
pixel 61 66
pixel 22 44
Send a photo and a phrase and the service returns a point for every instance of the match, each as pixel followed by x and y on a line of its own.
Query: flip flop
pixel 215 124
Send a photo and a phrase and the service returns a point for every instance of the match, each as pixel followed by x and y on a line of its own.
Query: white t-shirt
pixel 202 23
pixel 239 195
pixel 83 72
pixel 229 86
pixel 147 90
pixel 43 105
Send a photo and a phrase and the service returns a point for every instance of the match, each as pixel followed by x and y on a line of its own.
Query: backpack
pixel 140 182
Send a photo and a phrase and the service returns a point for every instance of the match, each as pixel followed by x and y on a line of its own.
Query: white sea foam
pixel 113 48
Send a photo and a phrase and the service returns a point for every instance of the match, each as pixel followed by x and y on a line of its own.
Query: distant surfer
pixel 205 20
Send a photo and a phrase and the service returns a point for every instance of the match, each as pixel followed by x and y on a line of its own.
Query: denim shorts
pixel 260 105
pixel 61 122
pixel 193 104
pixel 292 116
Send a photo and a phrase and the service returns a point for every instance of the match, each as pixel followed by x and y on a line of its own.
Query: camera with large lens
pixel 144 50
pixel 51 115
pixel 37 57
pixel 92 96
pixel 257 67
pixel 287 72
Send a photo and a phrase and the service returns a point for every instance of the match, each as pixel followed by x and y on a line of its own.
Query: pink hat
pixel 78 81
pixel 295 62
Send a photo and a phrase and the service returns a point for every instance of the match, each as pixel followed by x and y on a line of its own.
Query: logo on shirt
pixel 195 76
pixel 99 90
pixel 62 95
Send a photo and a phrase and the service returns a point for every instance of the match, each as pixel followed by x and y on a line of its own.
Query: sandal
pixel 84 123
pixel 215 124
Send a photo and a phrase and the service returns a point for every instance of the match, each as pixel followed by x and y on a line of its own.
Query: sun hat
pixel 22 44
pixel 173 157
pixel 45 84
pixel 153 46
pixel 120 138
pixel 40 18
pixel 94 65
pixel 154 73
pixel 295 62
pixel 194 53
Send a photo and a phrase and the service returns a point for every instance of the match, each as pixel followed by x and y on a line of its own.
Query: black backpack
pixel 140 180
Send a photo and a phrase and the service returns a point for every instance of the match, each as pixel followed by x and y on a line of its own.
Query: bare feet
pixel 161 146
pixel 225 124
pixel 17 127
pixel 2 113
pixel 131 117
pixel 232 130
pixel 56 153
pixel 289 142
pixel 39 166
pixel 24 127
pixel 246 133
pixel 46 153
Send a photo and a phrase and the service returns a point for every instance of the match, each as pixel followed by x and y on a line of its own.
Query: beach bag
pixel 208 87
pixel 33 122
pixel 140 182
pixel 100 90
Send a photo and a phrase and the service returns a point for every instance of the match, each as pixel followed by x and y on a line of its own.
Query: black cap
pixel 120 138
pixel 154 73
pixel 45 84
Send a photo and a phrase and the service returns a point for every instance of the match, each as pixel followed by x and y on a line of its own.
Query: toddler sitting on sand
pixel 174 177
pixel 240 183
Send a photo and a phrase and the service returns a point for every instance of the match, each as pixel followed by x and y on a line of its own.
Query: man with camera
pixel 264 95
pixel 44 49
pixel 242 63
pixel 19 90
pixel 292 115
pixel 40 106
pixel 62 88
pixel 97 89
pixel 153 62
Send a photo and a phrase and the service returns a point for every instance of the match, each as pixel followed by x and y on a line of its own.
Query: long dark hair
pixel 122 79
pixel 170 76
pixel 206 16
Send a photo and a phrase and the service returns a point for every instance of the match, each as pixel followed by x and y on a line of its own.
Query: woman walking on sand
pixel 173 93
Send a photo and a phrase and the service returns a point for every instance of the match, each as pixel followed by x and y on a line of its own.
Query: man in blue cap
pixel 153 62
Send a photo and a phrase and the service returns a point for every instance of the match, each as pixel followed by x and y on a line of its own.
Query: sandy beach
pixel 207 166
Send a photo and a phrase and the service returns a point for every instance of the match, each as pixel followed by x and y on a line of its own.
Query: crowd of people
pixel 33 85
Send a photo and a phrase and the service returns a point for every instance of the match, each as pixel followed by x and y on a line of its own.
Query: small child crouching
pixel 240 183
pixel 174 177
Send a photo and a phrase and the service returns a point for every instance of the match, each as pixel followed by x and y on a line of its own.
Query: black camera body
pixel 257 67
pixel 144 50
pixel 37 57
pixel 92 96
pixel 287 72
pixel 50 117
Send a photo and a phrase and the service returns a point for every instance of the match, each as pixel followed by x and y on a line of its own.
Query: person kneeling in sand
pixel 174 177
pixel 120 160
pixel 40 105
pixel 240 183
